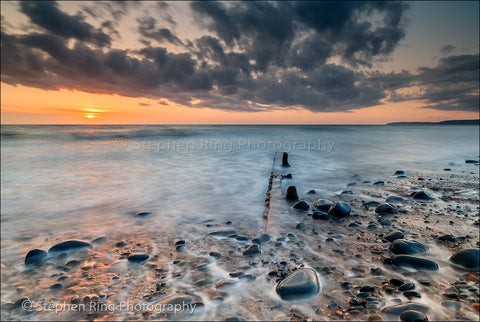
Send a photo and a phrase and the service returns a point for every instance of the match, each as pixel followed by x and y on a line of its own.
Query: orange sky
pixel 27 105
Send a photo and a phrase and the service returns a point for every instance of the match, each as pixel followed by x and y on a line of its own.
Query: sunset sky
pixel 238 62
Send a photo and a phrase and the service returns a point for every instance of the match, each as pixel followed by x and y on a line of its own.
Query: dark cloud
pixel 258 56
pixel 47 15
pixel 147 29
pixel 447 49
pixel 451 85
pixel 305 33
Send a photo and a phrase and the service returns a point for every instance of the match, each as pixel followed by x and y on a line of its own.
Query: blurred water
pixel 87 179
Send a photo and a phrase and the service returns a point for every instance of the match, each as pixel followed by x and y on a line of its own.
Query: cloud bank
pixel 253 56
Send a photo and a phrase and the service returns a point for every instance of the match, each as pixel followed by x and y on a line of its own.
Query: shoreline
pixel 209 270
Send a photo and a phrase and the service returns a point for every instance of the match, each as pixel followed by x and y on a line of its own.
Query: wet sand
pixel 352 261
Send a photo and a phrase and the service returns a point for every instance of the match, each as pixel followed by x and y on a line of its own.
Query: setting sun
pixel 90 116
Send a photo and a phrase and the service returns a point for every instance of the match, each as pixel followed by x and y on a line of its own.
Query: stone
pixel 386 209
pixel 347 192
pixel 413 316
pixel 171 301
pixel 143 214
pixel 369 204
pixel 301 205
pixel 242 238
pixel 408 247
pixel 301 284
pixel 466 260
pixel 69 245
pixel 320 215
pixel 451 305
pixel 472 161
pixel 260 239
pixel 300 226
pixel 285 160
pixel 214 255
pixel 339 210
pixel 415 262
pixel 394 199
pixel 422 195
pixel 379 183
pixel 138 258
pixel 399 173
pixel 400 308
pixel 311 192
pixel 225 284
pixel 291 194
pixel 222 233
pixel 323 204
pixel 252 250
pixel 406 287
pixel 35 257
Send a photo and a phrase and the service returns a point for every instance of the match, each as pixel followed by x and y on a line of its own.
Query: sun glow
pixel 90 116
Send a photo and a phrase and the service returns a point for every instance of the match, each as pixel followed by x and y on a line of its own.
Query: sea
pixel 61 182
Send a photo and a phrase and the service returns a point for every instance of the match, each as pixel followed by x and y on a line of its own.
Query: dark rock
pixel 300 284
pixel 99 240
pixel 287 176
pixel 320 215
pixel 354 225
pixel 375 318
pixel 413 316
pixel 285 160
pixel 386 209
pixel 138 258
pixel 323 204
pixel 411 294
pixel 400 308
pixel 422 195
pixel 451 295
pixel 379 183
pixel 415 262
pixel 225 284
pixel 252 250
pixel 425 282
pixel 300 226
pixel 339 210
pixel 57 286
pixel 396 282
pixel 370 204
pixel 367 288
pixel 73 263
pixel 402 177
pixel 301 205
pixel 291 194
pixel 223 233
pixel 466 260
pixel 472 161
pixel 448 238
pixel 386 222
pixel 447 169
pixel 35 256
pixel 399 173
pixel 311 192
pixel 69 245
pixel 121 244
pixel 263 238
pixel 215 255
pixel 180 242
pixel 236 274
pixel 143 214
pixel 408 247
pixel 347 192
pixel 406 287
pixel 242 238
pixel 373 226
pixel 394 199
pixel 23 303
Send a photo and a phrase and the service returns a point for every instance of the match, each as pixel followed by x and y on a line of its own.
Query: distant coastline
pixel 449 122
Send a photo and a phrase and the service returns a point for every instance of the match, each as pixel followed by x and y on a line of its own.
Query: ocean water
pixel 64 182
